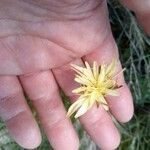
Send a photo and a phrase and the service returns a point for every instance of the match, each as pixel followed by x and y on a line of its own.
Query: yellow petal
pixel 74 107
pixel 83 109
pixel 110 83
pixel 118 73
pixel 95 83
pixel 102 100
pixel 105 107
pixel 78 90
pixel 102 74
pixel 112 92
pixel 95 70
pixel 92 99
pixel 83 81
pixel 83 72
pixel 76 67
pixel 111 69
pixel 89 72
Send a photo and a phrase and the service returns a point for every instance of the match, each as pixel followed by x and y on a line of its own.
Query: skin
pixel 142 12
pixel 39 39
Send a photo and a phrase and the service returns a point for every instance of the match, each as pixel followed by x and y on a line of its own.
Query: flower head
pixel 96 83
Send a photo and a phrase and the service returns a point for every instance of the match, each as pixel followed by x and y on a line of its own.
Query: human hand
pixel 142 11
pixel 38 41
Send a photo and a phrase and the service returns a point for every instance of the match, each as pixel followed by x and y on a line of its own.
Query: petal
pixel 77 68
pixel 83 109
pixel 118 73
pixel 83 81
pixel 81 74
pixel 111 68
pixel 89 72
pixel 93 99
pixel 101 99
pixel 112 92
pixel 95 70
pixel 77 79
pixel 84 72
pixel 102 74
pixel 79 90
pixel 87 75
pixel 105 107
pixel 74 107
pixel 110 83
pixel 103 102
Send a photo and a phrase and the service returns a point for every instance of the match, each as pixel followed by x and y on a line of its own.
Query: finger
pixel 43 91
pixel 142 11
pixel 144 20
pixel 122 105
pixel 16 114
pixel 96 121
pixel 138 5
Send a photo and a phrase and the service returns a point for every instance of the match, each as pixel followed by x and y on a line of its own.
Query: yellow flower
pixel 96 83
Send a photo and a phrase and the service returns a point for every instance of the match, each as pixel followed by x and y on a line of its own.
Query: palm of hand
pixel 43 41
